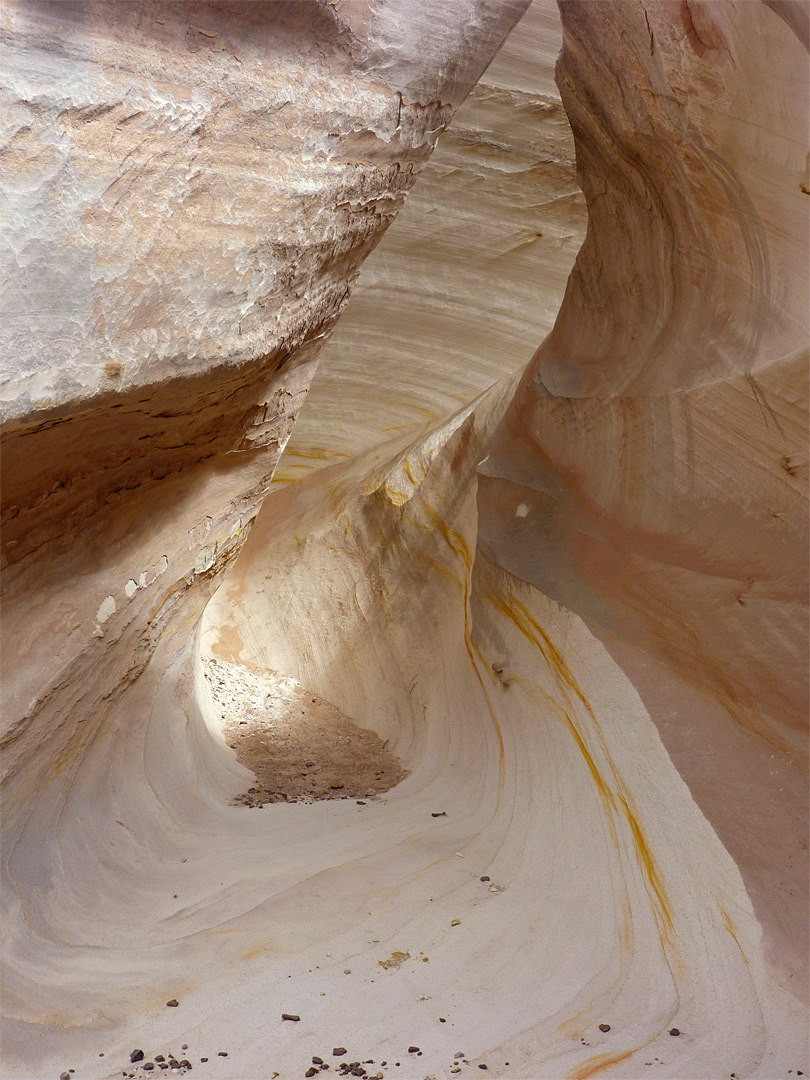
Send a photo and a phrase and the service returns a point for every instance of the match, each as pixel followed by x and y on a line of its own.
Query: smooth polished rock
pixel 651 473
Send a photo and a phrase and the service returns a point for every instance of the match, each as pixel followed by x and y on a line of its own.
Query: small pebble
pixel 173 1003
pixel 221 1053
pixel 159 1057
pixel 317 1061
pixel 290 1016
pixel 64 1076
pixel 442 1020
pixel 456 922
pixel 148 1065
pixel 604 1027
pixel 413 1049
pixel 184 1046
pixel 136 1055
pixel 486 877
pixel 311 1071
pixel 203 1059
pixel 483 1066
pixel 458 1056
pixel 442 813
pixel 338 1051
pixel 347 971
pixel 674 1031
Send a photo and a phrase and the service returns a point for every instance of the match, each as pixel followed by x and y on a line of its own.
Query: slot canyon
pixel 404 539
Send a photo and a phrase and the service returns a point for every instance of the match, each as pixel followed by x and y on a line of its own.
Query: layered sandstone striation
pixel 191 190
pixel 559 602
pixel 652 471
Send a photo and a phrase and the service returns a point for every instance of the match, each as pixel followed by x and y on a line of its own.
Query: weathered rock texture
pixel 591 832
pixel 192 188
pixel 477 262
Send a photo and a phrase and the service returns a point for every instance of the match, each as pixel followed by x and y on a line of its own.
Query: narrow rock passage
pixel 300 747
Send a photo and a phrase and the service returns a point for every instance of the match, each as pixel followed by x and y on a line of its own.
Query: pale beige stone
pixel 568 597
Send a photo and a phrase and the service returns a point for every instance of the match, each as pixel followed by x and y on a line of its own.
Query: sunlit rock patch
pixel 300 747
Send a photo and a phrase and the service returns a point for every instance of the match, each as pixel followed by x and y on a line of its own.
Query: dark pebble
pixel 64 1076
pixel 442 1020
pixel 221 1053
pixel 173 1003
pixel 413 1049
pixel 184 1046
pixel 159 1057
pixel 486 877
pixel 148 1065
pixel 442 813
pixel 311 1072
pixel 290 1016
pixel 338 1051
pixel 317 1061
pixel 604 1027
pixel 136 1055
pixel 674 1031
pixel 203 1059
pixel 185 1064
pixel 483 1066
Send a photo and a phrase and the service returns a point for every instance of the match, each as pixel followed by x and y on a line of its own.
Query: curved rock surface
pixel 570 599
pixel 651 472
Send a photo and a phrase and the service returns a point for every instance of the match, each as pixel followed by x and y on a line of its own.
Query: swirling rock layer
pixel 574 608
